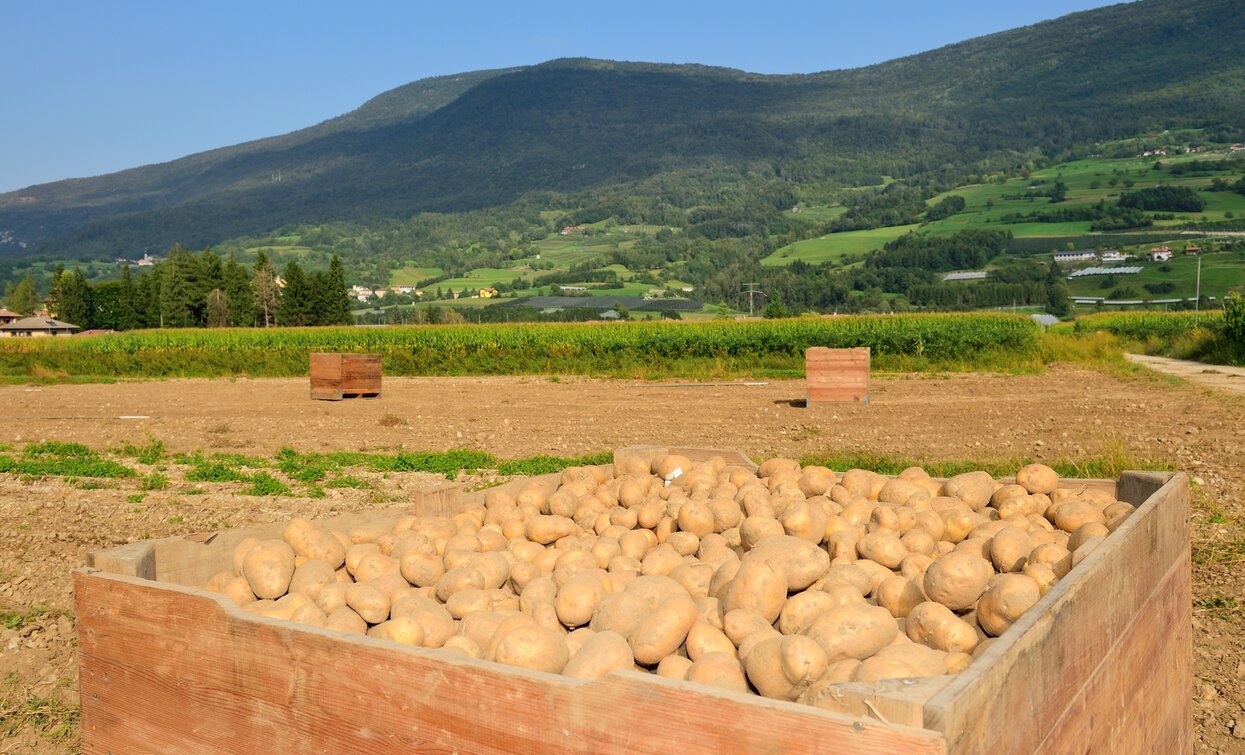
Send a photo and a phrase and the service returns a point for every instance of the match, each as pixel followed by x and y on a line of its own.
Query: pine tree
pixel 176 296
pixel 335 297
pixel 237 288
pixel 296 302
pixel 217 309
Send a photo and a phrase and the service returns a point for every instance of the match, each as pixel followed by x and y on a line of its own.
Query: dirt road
pixel 1211 375
pixel 47 527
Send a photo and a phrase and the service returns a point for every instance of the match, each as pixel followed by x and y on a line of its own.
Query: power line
pixel 752 290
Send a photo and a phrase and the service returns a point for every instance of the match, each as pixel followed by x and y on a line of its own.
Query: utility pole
pixel 1197 307
pixel 752 290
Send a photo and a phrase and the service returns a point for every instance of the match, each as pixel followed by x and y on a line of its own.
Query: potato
pixel 464 646
pixel 405 630
pixel 1085 532
pixel 578 599
pixel 853 631
pixel 457 580
pixel 801 608
pixel 239 553
pixel 901 662
pixel 663 630
pixel 1010 548
pixel 674 667
pixel 782 667
pixel 309 542
pixel 801 562
pixel 547 529
pixel 600 654
pixel 805 520
pixel 310 615
pixel 368 602
pixel 899 595
pixel 849 574
pixel 1009 596
pixel 755 529
pixel 238 590
pixel 532 647
pixel 1038 478
pixel 310 577
pixel 1071 515
pixel 619 612
pixel 882 547
pixel 973 488
pixel 934 625
pixel 957 580
pixel 1042 574
pixel 694 577
pixel 704 638
pixel 759 586
pixel 741 623
pixel 343 619
pixel 718 670
pixel 268 568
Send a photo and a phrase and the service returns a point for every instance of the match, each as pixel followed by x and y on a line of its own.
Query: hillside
pixel 488 138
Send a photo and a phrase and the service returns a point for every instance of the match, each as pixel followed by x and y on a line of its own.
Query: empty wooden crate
pixel 338 376
pixel 837 375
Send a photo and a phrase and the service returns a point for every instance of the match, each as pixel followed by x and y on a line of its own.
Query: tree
pixel 176 299
pixel 238 293
pixel 267 295
pixel 22 298
pixel 1059 192
pixel 295 307
pixel 774 308
pixel 77 305
pixel 335 297
pixel 217 309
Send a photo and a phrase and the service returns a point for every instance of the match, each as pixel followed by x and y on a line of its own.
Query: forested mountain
pixel 576 127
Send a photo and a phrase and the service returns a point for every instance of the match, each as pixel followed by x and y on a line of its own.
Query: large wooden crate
pixel 1101 664
pixel 836 375
pixel 338 376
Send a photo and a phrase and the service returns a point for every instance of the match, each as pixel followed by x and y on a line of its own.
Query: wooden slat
pixel 168 669
pixel 1016 693
pixel 895 701
pixel 1140 699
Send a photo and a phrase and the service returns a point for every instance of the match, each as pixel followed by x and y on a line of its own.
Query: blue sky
pixel 93 87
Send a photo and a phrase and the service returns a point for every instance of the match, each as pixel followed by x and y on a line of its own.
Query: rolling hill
pixel 488 138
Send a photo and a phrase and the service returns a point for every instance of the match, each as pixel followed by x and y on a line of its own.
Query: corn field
pixel 1142 325
pixel 649 349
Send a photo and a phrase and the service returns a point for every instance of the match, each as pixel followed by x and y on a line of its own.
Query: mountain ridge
pixel 487 138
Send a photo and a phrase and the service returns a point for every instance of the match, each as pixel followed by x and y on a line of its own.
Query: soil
pixel 47 527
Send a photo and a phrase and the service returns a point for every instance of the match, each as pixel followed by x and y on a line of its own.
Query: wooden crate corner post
pixel 338 376
pixel 836 375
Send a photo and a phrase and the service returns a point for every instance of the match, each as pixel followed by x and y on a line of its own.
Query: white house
pixel 1160 254
pixel 1076 255
pixel 37 327
pixel 1113 255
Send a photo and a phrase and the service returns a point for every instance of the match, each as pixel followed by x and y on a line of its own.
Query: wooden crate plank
pixel 1140 697
pixel 1038 668
pixel 175 670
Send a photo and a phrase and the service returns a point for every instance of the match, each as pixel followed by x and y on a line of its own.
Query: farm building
pixel 1113 255
pixel 36 327
pixel 969 276
pixel 1160 254
pixel 1076 255
pixel 7 316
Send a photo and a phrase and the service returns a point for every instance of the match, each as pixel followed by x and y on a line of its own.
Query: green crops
pixel 1142 325
pixel 649 349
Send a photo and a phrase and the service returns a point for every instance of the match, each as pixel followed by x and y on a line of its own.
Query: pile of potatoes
pixel 782 581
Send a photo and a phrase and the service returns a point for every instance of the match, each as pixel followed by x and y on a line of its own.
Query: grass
pixel 150 452
pixel 411 275
pixel 56 459
pixel 49 717
pixel 835 246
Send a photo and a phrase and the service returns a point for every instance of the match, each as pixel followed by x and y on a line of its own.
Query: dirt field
pixel 47 527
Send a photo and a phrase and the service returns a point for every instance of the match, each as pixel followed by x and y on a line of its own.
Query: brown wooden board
pixel 169 669
pixel 1102 663
pixel 836 375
